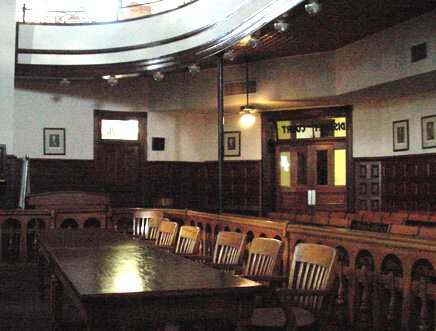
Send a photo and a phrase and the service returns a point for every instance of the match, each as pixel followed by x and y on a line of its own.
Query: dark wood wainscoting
pixel 194 184
pixel 186 184
pixel 407 183
pixel 10 188
pixel 47 175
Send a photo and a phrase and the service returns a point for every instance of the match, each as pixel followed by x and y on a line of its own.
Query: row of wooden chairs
pixel 307 284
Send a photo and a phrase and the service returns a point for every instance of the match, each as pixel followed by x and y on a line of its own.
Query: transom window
pixel 120 130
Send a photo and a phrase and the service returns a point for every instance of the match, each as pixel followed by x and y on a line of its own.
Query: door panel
pixel 318 166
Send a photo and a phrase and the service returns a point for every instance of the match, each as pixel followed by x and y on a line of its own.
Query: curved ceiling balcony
pixel 165 41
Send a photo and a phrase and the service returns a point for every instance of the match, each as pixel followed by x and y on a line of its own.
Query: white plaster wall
pixel 184 135
pixel 372 124
pixel 297 77
pixel 7 64
pixel 251 148
pixel 39 106
pixel 385 56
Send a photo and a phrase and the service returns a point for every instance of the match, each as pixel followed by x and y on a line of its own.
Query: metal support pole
pixel 220 110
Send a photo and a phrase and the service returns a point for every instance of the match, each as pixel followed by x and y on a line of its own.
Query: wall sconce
pixel 64 82
pixel 229 55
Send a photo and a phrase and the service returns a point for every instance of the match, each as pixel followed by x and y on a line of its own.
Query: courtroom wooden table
pixel 121 284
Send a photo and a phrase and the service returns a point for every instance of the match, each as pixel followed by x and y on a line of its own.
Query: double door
pixel 311 176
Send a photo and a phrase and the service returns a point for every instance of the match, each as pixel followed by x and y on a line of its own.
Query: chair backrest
pixel 143 227
pixel 228 247
pixel 262 256
pixel 166 234
pixel 311 269
pixel 188 237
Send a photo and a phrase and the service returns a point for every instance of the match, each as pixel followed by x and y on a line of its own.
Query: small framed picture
pixel 54 141
pixel 232 143
pixel 401 135
pixel 428 131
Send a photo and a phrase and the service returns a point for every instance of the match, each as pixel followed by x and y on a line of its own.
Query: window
pixel 322 167
pixel 285 169
pixel 119 130
pixel 340 167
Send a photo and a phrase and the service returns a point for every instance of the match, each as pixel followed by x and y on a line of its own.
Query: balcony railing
pixel 109 11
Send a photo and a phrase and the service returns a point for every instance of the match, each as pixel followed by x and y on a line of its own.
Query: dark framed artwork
pixel 428 131
pixel 400 131
pixel 157 144
pixel 232 143
pixel 54 141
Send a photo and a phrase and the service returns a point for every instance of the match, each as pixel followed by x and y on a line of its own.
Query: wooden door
pixel 317 166
pixel 119 161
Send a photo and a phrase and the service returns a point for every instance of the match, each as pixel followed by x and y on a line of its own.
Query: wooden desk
pixel 121 284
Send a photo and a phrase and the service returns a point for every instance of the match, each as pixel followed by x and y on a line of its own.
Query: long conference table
pixel 122 284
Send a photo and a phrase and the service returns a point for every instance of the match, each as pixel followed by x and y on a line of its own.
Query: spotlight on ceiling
pixel 194 69
pixel 64 82
pixel 158 76
pixel 313 7
pixel 281 26
pixel 111 80
pixel 253 42
pixel 229 55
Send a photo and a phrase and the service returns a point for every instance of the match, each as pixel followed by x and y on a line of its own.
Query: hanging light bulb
pixel 194 69
pixel 248 111
pixel 158 76
pixel 313 7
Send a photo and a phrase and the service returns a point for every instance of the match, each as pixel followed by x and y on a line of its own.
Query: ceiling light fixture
pixel 194 69
pixel 281 26
pixel 229 55
pixel 64 82
pixel 247 111
pixel 158 76
pixel 253 42
pixel 111 80
pixel 313 7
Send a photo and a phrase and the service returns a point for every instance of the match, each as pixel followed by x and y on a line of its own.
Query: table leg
pixel 56 302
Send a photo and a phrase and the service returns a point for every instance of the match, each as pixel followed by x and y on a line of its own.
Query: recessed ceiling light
pixel 158 76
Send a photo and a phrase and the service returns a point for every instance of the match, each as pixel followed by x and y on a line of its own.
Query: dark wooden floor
pixel 21 307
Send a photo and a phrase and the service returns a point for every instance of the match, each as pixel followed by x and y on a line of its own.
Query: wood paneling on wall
pixel 9 190
pixel 63 175
pixel 189 184
pixel 406 183
pixel 194 184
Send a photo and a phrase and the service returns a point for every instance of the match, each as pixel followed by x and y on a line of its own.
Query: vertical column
pixel 220 108
pixel 7 66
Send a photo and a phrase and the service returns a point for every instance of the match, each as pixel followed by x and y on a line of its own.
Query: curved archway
pixel 423 268
pixel 69 223
pixel 34 225
pixel 365 258
pixel 92 223
pixel 10 237
pixel 391 263
pixel 343 256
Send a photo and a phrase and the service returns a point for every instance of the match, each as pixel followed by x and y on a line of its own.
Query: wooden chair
pixel 143 227
pixel 262 257
pixel 187 241
pixel 309 282
pixel 227 252
pixel 166 234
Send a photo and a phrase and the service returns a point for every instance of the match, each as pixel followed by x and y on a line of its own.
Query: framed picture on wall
pixel 401 135
pixel 54 141
pixel 428 131
pixel 232 143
